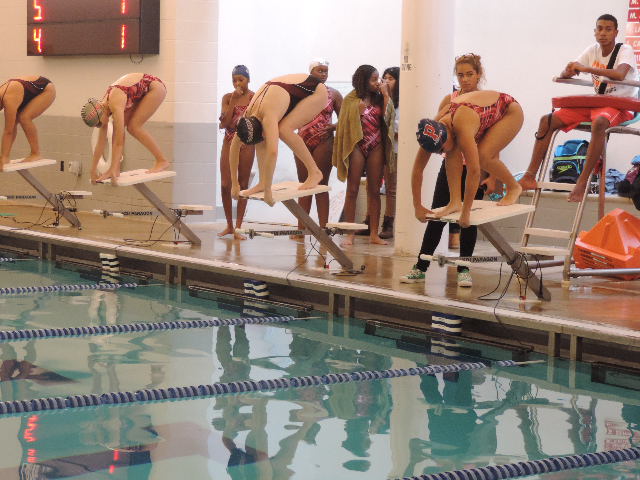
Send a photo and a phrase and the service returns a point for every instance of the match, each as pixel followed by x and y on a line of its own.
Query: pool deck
pixel 598 310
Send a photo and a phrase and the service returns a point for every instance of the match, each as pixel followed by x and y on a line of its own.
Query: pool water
pixel 380 429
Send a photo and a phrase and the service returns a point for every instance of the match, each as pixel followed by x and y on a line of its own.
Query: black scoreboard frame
pixel 82 31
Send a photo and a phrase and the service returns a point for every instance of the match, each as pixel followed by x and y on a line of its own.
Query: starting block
pixel 134 177
pixel 77 194
pixel 137 179
pixel 330 229
pixel 483 214
pixel 193 209
pixel 287 192
pixel 22 168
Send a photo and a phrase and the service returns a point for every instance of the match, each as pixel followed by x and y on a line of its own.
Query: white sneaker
pixel 464 279
pixel 414 276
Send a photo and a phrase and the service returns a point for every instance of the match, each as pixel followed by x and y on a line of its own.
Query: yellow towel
pixel 348 134
pixel 390 140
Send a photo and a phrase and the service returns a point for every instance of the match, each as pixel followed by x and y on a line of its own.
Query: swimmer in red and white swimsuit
pixel 23 99
pixel 361 118
pixel 234 105
pixel 489 115
pixel 131 101
pixel 467 131
pixel 318 137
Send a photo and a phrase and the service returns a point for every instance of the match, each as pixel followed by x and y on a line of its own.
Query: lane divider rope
pixel 138 327
pixel 211 390
pixel 535 467
pixel 65 288
pixel 7 260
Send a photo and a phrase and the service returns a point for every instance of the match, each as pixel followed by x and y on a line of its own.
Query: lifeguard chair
pixel 566 250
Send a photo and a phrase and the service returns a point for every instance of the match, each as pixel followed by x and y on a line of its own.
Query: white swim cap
pixel 317 62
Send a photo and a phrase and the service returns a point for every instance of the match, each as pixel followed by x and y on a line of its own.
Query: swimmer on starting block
pixel 594 60
pixel 130 100
pixel 277 110
pixel 476 125
pixel 23 99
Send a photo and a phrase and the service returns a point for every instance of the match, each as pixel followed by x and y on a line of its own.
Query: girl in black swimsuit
pixel 277 110
pixel 23 99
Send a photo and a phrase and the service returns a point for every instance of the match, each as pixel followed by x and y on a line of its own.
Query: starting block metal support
pixel 55 202
pixel 483 214
pixel 168 214
pixel 319 233
pixel 515 260
pixel 287 193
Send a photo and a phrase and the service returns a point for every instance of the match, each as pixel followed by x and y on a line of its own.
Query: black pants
pixel 433 232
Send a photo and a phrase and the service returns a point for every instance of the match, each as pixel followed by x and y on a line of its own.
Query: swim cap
pixel 249 130
pixel 318 62
pixel 431 135
pixel 241 70
pixel 91 111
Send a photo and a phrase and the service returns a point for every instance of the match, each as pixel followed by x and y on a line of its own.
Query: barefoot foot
pixel 512 196
pixel 312 181
pixel 226 231
pixel 348 240
pixel 376 240
pixel 250 191
pixel 239 236
pixel 32 158
pixel 528 182
pixel 447 209
pixel 159 167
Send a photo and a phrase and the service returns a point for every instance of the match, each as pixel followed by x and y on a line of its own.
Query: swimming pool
pixel 378 429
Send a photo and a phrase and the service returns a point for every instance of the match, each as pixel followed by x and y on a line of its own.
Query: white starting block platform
pixel 137 179
pixel 22 168
pixel 15 165
pixel 483 214
pixel 133 177
pixel 484 211
pixel 287 192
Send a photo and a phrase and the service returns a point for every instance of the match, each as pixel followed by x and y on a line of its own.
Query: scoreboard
pixel 93 27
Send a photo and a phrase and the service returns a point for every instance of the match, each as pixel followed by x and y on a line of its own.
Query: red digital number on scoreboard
pixel 37 39
pixel 123 37
pixel 37 11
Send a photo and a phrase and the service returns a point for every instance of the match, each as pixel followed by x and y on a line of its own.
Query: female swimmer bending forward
pixel 478 126
pixel 277 110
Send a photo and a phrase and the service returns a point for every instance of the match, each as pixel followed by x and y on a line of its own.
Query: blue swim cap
pixel 431 135
pixel 241 70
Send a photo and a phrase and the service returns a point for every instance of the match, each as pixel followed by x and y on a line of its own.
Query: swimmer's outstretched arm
pixel 271 139
pixel 99 151
pixel 117 143
pixel 469 149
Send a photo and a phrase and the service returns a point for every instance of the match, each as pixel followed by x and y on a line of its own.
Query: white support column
pixel 427 66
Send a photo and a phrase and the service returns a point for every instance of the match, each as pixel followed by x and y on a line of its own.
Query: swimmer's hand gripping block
pixel 288 191
pixel 614 242
pixel 597 101
pixel 484 211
